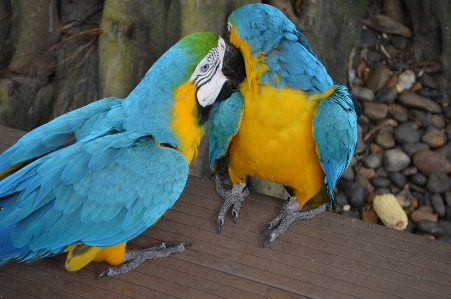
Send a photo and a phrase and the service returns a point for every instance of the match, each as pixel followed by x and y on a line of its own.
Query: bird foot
pixel 135 257
pixel 290 211
pixel 232 198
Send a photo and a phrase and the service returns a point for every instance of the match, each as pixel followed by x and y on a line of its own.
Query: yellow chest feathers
pixel 185 121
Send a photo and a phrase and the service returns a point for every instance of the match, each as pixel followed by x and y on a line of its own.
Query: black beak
pixel 233 69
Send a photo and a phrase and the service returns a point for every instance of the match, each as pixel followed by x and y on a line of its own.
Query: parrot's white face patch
pixel 208 75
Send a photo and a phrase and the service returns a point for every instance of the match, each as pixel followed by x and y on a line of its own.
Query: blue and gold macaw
pixel 292 124
pixel 94 178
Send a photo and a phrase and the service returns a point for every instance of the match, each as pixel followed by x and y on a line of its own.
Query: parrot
pixel 94 178
pixel 291 125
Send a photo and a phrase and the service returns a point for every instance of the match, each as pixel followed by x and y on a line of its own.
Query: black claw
pixel 186 244
pixel 235 216
pixel 103 273
pixel 220 224
pixel 168 244
pixel 267 227
pixel 266 242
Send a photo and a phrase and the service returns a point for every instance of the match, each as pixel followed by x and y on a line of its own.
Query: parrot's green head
pixel 215 67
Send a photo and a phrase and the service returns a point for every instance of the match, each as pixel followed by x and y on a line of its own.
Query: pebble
pixel 380 182
pixel 379 75
pixel 369 39
pixel 369 198
pixel 438 121
pixel 354 193
pixel 438 205
pixel 448 198
pixel 429 82
pixel 370 216
pixel 438 182
pixel 341 199
pixel 375 149
pixel 429 161
pixel 375 111
pixel 398 179
pixel 419 179
pixel 399 41
pixel 419 215
pixel 425 118
pixel 431 94
pixel 364 182
pixel 385 137
pixel 363 94
pixel 374 160
pixel 398 112
pixel 434 137
pixel 413 148
pixel 348 174
pixel 367 172
pixel 373 56
pixel 410 227
pixel 395 160
pixel 361 145
pixel 406 80
pixel 414 100
pixel 446 237
pixel 426 209
pixel 448 129
pixel 406 133
pixel 445 150
pixel 410 170
pixel 386 95
pixel 430 227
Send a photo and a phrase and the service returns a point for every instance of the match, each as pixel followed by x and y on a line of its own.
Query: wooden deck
pixel 330 256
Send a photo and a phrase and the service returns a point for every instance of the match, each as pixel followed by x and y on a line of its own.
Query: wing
pixel 335 134
pixel 100 192
pixel 61 132
pixel 225 120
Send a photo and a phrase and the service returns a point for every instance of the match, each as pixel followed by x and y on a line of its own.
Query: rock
pixel 399 41
pixel 361 145
pixel 363 94
pixel 364 182
pixel 379 182
pixel 341 199
pixel 375 149
pixel 413 148
pixel 413 100
pixel 354 193
pixel 426 209
pixel 375 111
pixel 379 75
pixel 434 137
pixel 350 214
pixel 369 198
pixel 367 172
pixel 385 137
pixel 438 121
pixel 406 133
pixel 395 160
pixel 430 227
pixel 448 130
pixel 419 215
pixel 429 161
pixel 425 118
pixel 405 80
pixel 374 161
pixel 398 112
pixel 419 179
pixel 382 190
pixel 369 39
pixel 386 24
pixel 410 170
pixel 348 174
pixel 386 95
pixel 429 82
pixel 446 237
pixel 445 150
pixel 370 216
pixel 373 56
pixel 410 227
pixel 438 182
pixel 398 179
pixel 448 213
pixel 431 94
pixel 448 198
pixel 438 205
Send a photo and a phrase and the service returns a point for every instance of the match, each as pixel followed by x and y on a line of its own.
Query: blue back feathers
pixel 290 59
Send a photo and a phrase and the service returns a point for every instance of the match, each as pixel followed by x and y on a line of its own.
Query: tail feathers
pixel 8 252
pixel 80 255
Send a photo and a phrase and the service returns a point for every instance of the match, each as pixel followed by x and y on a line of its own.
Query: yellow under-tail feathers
pixel 80 255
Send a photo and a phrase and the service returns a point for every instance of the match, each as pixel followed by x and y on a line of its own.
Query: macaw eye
pixel 229 27
pixel 205 67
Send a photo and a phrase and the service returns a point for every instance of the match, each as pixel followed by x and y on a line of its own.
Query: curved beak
pixel 234 70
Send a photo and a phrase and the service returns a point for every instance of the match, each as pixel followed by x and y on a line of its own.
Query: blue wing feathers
pixel 335 134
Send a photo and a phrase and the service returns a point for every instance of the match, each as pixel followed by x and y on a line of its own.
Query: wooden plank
pixel 330 256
